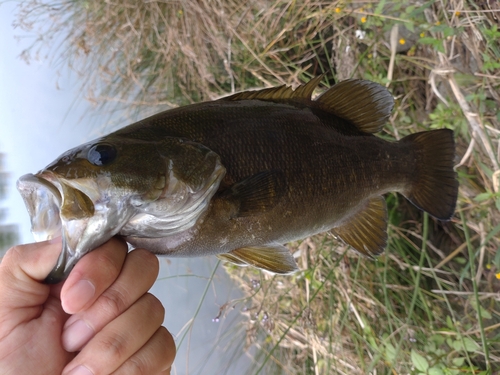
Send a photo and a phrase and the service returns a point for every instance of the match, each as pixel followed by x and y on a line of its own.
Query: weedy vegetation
pixel 431 303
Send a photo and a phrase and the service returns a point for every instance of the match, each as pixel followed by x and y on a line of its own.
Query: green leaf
pixel 390 353
pixel 429 40
pixel 459 361
pixel 409 9
pixel 468 345
pixel 419 362
pixel 482 197
pixel 436 43
pixel 485 314
pixel 448 31
pixel 380 7
pixel 449 341
pixel 435 371
pixel 438 339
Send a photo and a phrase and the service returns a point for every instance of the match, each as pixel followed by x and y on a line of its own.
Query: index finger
pixel 92 275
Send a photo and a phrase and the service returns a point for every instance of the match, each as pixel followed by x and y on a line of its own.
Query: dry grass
pixel 156 52
pixel 431 304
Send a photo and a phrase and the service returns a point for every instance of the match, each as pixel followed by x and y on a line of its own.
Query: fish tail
pixel 434 186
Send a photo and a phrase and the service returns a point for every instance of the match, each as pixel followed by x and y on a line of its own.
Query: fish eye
pixel 101 154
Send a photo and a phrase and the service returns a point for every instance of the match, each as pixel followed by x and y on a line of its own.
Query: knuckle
pixel 12 255
pixel 135 366
pixel 114 301
pixel 148 259
pixel 11 258
pixel 154 306
pixel 108 264
pixel 168 342
pixel 114 346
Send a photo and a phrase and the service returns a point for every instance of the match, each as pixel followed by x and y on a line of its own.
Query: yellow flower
pixel 457 13
pixel 337 10
pixel 488 266
pixel 422 34
pixel 402 41
pixel 498 276
pixel 438 23
pixel 363 19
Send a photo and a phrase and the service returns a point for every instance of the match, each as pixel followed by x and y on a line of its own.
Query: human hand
pixel 101 320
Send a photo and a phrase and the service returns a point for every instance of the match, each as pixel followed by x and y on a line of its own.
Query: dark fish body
pixel 286 167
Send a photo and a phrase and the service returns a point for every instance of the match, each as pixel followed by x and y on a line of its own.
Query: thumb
pixel 22 270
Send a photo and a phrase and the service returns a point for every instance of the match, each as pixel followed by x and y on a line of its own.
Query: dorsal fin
pixel 365 104
pixel 279 93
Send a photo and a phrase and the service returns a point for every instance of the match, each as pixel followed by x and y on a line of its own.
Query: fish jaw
pixel 76 210
pixel 43 201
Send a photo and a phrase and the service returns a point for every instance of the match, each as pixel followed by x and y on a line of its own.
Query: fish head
pixel 94 191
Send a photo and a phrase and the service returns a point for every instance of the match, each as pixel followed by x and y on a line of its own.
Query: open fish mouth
pixel 43 201
pixel 56 209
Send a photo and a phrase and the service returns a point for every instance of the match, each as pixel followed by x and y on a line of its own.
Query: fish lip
pixel 43 200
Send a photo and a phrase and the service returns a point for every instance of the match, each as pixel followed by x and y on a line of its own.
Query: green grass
pixel 430 304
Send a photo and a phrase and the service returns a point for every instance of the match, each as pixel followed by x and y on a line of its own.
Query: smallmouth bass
pixel 241 176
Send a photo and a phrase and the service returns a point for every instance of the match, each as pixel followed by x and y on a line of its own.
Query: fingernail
pixel 76 335
pixel 80 370
pixel 78 296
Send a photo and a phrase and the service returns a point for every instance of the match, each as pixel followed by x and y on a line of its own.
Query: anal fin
pixel 272 258
pixel 366 231
pixel 228 257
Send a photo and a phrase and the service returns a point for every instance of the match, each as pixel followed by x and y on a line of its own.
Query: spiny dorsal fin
pixel 279 93
pixel 256 194
pixel 366 231
pixel 272 258
pixel 365 104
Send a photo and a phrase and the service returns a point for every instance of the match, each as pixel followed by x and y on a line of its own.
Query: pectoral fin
pixel 366 231
pixel 271 258
pixel 257 193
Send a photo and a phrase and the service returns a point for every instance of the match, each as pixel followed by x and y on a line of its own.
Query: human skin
pixel 101 320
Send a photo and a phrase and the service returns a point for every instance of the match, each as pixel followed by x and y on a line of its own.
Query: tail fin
pixel 435 186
